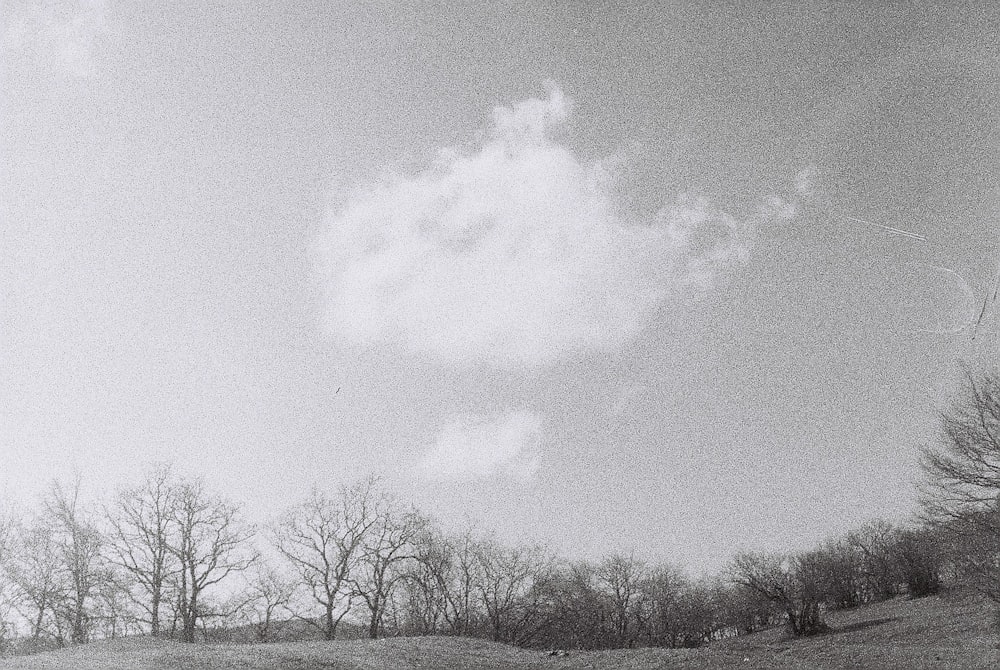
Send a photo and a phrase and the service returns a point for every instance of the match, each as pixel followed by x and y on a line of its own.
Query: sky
pixel 677 279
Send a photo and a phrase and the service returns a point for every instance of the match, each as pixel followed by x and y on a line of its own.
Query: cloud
pixel 512 254
pixel 58 35
pixel 626 396
pixel 779 209
pixel 805 182
pixel 799 198
pixel 472 447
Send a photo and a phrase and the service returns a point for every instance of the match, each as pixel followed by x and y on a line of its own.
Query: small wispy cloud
pixel 474 447
pixel 56 35
pixel 513 254
pixel 805 182
pixel 779 209
pixel 627 396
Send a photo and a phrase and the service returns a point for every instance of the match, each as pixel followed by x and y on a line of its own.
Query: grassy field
pixel 901 635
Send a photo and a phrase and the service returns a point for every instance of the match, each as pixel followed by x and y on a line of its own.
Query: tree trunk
pixel 330 629
pixel 189 614
pixel 37 627
pixel 373 623
pixel 154 615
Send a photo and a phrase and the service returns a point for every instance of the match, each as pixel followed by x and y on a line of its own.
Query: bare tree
pixel 422 605
pixel 459 581
pixel 8 629
pixel 961 489
pixel 7 595
pixel 114 607
pixel 141 524
pixel 387 548
pixel 268 593
pixel 702 612
pixel 78 546
pixel 6 533
pixel 918 557
pixel 875 541
pixel 442 583
pixel 838 567
pixel 507 581
pixel 585 613
pixel 619 580
pixel 663 618
pixel 792 583
pixel 32 564
pixel 570 610
pixel 55 569
pixel 323 540
pixel 746 611
pixel 209 543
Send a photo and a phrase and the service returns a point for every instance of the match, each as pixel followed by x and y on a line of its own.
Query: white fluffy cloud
pixel 472 447
pixel 512 254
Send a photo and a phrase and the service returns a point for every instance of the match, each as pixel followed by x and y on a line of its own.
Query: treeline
pixel 169 557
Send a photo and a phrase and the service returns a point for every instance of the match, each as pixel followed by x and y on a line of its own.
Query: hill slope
pixel 901 634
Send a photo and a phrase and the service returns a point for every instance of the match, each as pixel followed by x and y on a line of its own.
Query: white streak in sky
pixel 969 307
pixel 888 229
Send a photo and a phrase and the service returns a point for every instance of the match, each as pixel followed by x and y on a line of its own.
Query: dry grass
pixel 898 635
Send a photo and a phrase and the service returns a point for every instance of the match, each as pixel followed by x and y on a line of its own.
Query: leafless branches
pixel 140 526
pixel 961 491
pixel 209 543
pixel 323 541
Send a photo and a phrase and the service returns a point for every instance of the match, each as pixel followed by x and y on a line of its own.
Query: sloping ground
pixel 897 635
pixel 945 621
pixel 925 633
pixel 401 653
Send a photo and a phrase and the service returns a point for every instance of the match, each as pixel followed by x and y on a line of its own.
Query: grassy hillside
pixel 901 634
